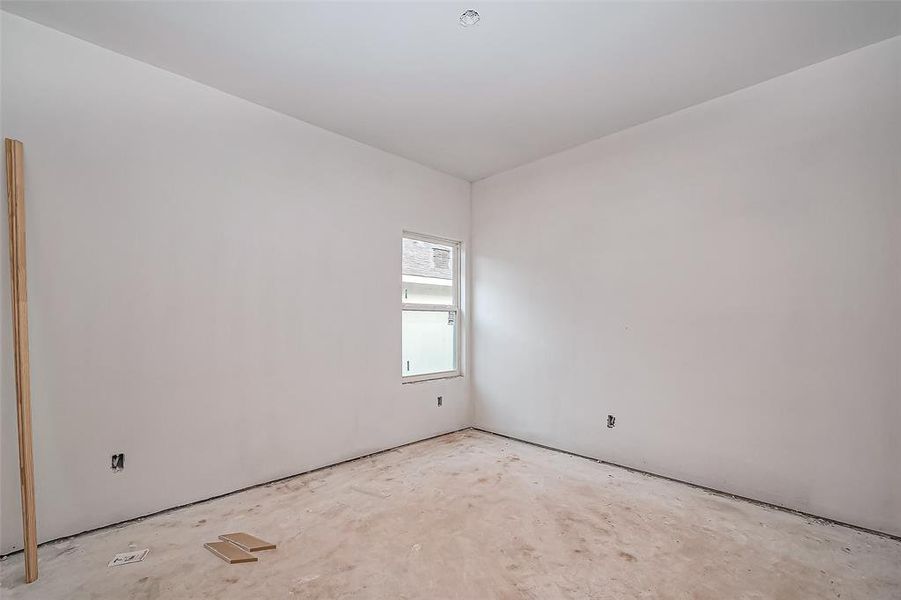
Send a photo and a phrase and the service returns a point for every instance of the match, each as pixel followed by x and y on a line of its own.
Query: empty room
pixel 431 300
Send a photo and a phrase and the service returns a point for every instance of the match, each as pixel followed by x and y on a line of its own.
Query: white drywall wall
pixel 726 280
pixel 191 258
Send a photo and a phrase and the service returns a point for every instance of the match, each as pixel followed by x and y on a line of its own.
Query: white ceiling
pixel 529 80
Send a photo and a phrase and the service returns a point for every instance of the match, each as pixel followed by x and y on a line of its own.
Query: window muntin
pixel 430 296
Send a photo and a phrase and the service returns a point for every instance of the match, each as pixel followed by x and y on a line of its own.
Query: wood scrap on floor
pixel 229 552
pixel 247 542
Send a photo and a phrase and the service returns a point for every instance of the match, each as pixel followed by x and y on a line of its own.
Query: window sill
pixel 430 377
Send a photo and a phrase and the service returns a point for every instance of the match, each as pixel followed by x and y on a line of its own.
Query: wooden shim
pixel 248 542
pixel 15 194
pixel 229 552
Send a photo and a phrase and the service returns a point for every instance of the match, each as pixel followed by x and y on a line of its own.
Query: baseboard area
pixel 698 486
pixel 238 491
pixel 489 432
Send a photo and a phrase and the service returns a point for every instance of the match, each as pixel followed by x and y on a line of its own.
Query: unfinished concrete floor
pixel 472 515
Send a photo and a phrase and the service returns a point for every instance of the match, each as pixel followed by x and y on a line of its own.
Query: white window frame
pixel 457 248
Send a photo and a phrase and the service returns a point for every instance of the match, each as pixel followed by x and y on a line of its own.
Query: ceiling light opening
pixel 469 18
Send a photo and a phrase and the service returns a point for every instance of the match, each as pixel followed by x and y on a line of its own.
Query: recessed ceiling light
pixel 469 18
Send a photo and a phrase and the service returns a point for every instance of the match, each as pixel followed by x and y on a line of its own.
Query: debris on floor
pixel 229 552
pixel 247 542
pixel 236 547
pixel 125 558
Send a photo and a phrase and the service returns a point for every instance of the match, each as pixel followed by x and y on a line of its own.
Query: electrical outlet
pixel 118 462
pixel 440 400
pixel 611 421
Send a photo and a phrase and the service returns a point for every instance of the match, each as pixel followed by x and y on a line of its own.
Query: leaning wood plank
pixel 15 194
pixel 229 552
pixel 248 542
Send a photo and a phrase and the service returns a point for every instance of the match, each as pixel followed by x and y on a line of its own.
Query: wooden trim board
pixel 15 195
pixel 229 552
pixel 248 542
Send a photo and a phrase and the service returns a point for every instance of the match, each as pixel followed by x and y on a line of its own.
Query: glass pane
pixel 428 342
pixel 428 273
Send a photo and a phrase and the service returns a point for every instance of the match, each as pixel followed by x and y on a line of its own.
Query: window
pixel 430 332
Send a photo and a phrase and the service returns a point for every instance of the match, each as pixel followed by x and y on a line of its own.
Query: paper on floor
pixel 125 558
